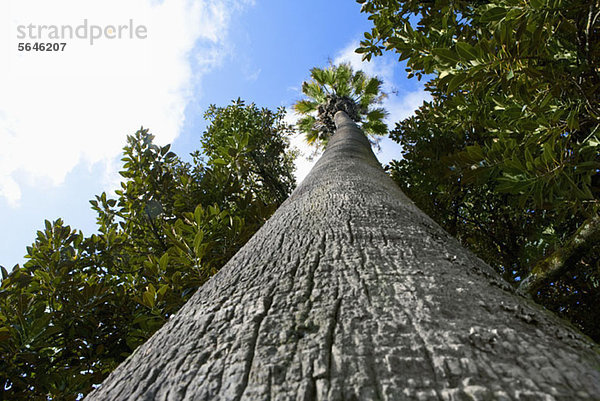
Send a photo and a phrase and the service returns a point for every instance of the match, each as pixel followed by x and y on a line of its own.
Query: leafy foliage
pixel 80 304
pixel 506 154
pixel 525 73
pixel 340 88
pixel 254 141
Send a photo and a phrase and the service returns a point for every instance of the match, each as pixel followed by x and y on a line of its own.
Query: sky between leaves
pixel 64 116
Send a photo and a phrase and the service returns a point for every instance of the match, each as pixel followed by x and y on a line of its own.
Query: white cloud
pixel 306 158
pixel 251 75
pixel 383 68
pixel 59 109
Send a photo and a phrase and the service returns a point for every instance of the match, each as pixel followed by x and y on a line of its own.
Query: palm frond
pixel 314 90
pixel 339 87
pixel 330 76
pixel 306 123
pixel 376 128
pixel 305 106
pixel 343 74
pixel 376 114
pixel 318 74
pixel 364 102
pixel 343 89
pixel 373 86
pixel 358 82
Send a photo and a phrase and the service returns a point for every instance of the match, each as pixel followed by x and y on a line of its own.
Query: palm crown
pixel 340 88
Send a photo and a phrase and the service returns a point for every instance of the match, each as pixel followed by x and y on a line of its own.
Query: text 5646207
pixel 41 47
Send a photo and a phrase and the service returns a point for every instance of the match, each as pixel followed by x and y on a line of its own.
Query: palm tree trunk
pixel 349 292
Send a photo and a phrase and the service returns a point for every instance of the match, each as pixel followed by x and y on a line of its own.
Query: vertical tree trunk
pixel 349 292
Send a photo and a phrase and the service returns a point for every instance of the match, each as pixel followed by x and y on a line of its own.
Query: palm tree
pixel 340 88
pixel 349 292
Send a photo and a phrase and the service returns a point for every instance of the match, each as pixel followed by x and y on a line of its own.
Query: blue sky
pixel 64 116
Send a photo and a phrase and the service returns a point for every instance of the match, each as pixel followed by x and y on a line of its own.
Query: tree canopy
pixel 81 304
pixel 340 88
pixel 506 155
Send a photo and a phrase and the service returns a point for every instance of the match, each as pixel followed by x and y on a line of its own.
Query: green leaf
pixel 446 56
pixel 4 333
pixel 162 290
pixel 493 14
pixel 528 156
pixel 572 120
pixel 456 81
pixel 513 14
pixel 153 208
pixel 149 296
pixel 475 152
pixel 163 261
pixel 199 237
pixel 244 141
pixel 466 51
pixel 536 4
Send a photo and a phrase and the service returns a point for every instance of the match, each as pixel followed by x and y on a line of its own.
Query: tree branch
pixel 557 264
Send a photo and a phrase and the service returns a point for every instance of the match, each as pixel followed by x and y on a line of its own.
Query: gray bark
pixel 349 292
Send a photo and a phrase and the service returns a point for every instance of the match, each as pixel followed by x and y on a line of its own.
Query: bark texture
pixel 349 292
